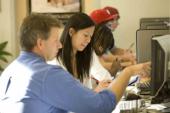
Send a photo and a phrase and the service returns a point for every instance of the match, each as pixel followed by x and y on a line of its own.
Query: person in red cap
pixel 109 16
pixel 112 24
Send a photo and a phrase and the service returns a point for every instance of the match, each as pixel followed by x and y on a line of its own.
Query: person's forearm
pixel 109 57
pixel 117 51
pixel 112 67
pixel 118 86
pixel 106 65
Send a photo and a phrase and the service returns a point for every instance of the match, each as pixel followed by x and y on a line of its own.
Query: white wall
pixel 21 12
pixel 90 5
pixel 7 26
pixel 130 13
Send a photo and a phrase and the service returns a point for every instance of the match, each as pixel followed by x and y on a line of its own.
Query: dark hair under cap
pixel 102 39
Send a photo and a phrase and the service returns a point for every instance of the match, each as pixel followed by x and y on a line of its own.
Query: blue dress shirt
pixel 30 85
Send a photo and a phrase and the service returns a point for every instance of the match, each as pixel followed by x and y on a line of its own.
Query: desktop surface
pixel 141 105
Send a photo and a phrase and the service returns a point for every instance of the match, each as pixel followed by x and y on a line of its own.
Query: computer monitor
pixel 143 43
pixel 160 67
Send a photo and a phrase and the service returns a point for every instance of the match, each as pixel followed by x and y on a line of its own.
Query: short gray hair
pixel 36 26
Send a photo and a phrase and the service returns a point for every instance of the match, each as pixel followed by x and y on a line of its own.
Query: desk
pixel 132 106
pixel 140 106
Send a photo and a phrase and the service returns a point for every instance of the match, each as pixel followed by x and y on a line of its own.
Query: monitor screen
pixel 160 73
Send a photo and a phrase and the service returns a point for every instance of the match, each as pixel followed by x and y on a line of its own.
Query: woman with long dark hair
pixel 76 54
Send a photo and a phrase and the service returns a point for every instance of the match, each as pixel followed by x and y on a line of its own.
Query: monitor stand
pixel 163 96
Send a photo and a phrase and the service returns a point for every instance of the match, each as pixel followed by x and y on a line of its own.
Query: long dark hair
pixel 102 38
pixel 78 21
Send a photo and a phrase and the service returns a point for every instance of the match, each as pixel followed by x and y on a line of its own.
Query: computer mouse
pixel 132 96
pixel 166 110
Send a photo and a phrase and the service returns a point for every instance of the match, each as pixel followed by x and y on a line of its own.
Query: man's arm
pixel 119 84
pixel 64 92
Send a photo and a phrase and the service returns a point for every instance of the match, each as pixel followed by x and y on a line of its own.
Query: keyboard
pixel 145 88
pixel 125 106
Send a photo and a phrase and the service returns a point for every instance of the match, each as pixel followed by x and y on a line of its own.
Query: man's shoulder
pixel 54 70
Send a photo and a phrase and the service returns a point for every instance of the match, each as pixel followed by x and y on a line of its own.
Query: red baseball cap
pixel 102 15
pixel 113 11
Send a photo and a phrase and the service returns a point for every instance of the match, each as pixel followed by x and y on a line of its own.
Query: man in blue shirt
pixel 30 85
